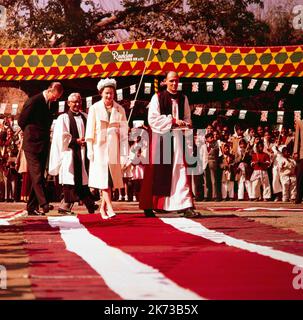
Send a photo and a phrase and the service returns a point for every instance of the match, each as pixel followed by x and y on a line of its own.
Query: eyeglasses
pixel 75 102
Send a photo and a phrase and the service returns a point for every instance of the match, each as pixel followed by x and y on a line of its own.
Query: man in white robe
pixel 68 156
pixel 166 185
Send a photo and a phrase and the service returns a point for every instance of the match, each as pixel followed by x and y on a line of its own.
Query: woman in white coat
pixel 107 140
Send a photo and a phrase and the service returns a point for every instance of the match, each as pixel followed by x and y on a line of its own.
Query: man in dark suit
pixel 35 121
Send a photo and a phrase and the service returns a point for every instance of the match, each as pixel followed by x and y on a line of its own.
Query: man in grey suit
pixel 298 156
pixel 35 121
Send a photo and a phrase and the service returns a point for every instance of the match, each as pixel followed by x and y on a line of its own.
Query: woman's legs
pixel 106 197
pixel 103 208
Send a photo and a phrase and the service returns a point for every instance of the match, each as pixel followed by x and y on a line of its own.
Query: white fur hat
pixel 106 83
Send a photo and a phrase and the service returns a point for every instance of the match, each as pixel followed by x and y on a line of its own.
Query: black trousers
pixel 199 186
pixel 72 195
pixel 36 163
pixel 299 180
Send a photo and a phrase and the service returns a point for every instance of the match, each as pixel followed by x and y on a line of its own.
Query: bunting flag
pixel 132 104
pixel 229 112
pixel 242 114
pixel 264 85
pixel 211 111
pixel 280 116
pixel 279 87
pixel 89 102
pixel 14 109
pixel 209 86
pixel 293 89
pixel 252 84
pixel 147 88
pixel 225 84
pixel 198 111
pixel 138 123
pixel 239 85
pixel 195 87
pixel 61 106
pixel 133 89
pixel 2 108
pixel 264 115
pixel 119 94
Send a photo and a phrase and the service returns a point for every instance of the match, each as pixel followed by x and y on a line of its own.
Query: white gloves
pixel 90 151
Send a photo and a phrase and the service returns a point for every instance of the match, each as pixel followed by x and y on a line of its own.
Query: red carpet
pixel 56 273
pixel 256 232
pixel 214 271
pixel 10 215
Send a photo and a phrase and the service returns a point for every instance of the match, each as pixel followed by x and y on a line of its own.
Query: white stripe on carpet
pixel 4 222
pixel 271 209
pixel 123 274
pixel 195 228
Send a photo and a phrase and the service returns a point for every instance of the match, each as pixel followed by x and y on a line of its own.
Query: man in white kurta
pixel 68 156
pixel 167 186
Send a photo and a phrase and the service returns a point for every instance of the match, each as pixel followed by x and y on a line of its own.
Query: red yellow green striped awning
pixel 131 58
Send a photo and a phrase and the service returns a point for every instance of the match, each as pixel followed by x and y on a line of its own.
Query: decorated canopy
pixel 151 57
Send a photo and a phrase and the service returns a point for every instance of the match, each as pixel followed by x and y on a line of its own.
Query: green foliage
pixel 282 32
pixel 26 19
pixel 209 21
pixel 219 22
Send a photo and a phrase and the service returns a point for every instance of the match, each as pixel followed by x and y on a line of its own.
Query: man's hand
pixel 296 156
pixel 90 155
pixel 81 142
pixel 180 123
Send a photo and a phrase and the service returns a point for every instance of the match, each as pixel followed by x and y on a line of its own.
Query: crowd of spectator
pixel 246 164
pixel 239 163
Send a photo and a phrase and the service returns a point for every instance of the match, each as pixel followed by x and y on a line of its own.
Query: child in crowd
pixel 244 169
pixel 276 176
pixel 260 163
pixel 138 175
pixel 287 167
pixel 227 162
pixel 211 172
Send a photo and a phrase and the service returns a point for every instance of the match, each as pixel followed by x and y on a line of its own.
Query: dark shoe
pixel 35 213
pixel 191 213
pixel 298 201
pixel 47 207
pixel 96 206
pixel 92 208
pixel 64 211
pixel 149 213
